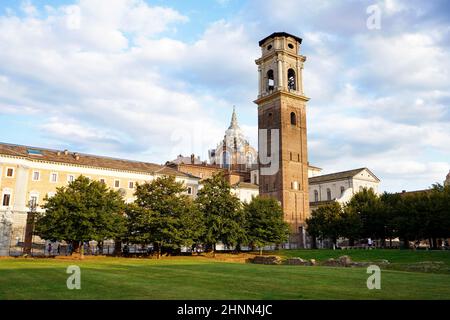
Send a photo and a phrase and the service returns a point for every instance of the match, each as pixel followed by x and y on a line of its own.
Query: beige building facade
pixel 28 175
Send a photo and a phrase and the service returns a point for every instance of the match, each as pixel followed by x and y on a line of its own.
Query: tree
pixel 164 215
pixel 84 210
pixel 391 203
pixel 437 225
pixel 264 222
pixel 350 225
pixel 325 222
pixel 221 212
pixel 373 216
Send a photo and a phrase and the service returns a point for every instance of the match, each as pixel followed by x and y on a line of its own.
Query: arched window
pixel 293 119
pixel 316 196
pixel 270 80
pixel 342 190
pixel 328 194
pixel 291 80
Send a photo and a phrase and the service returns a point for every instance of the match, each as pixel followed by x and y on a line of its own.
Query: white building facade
pixel 340 186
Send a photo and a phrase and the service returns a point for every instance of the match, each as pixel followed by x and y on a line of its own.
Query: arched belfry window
pixel 291 80
pixel 270 80
pixel 293 119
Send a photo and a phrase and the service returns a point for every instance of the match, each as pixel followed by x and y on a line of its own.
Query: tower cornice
pixel 280 93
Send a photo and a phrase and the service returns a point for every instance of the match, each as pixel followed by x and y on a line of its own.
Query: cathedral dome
pixel 234 151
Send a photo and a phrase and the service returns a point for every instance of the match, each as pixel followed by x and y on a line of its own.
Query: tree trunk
pixel 214 250
pixel 313 243
pixel 351 242
pixel 435 244
pixel 117 248
pixel 76 247
pixel 158 250
pixel 260 251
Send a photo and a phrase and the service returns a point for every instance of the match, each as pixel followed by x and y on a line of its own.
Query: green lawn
pixel 405 260
pixel 202 278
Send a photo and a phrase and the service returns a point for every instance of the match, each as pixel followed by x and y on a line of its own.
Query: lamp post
pixel 29 230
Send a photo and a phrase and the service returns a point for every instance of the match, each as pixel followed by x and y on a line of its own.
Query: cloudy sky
pixel 149 80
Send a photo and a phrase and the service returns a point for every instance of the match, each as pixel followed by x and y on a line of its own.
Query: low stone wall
pixel 346 261
pixel 266 260
pixel 343 261
pixel 300 262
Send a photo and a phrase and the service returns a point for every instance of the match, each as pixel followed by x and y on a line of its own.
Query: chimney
pixel 192 158
pixel 66 152
pixel 77 156
pixel 58 153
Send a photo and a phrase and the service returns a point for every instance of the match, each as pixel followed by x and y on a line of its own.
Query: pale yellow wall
pixel 44 186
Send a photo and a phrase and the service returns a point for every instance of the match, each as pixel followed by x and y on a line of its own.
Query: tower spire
pixel 233 123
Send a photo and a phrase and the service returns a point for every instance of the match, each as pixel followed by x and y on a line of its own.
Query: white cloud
pixel 116 78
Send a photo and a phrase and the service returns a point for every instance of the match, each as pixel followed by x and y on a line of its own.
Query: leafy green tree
pixel 325 222
pixel 392 203
pixel 367 205
pixel 163 214
pixel 409 218
pixel 350 225
pixel 264 222
pixel 221 212
pixel 84 210
pixel 437 220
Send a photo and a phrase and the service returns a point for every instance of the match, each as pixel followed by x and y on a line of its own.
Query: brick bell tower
pixel 282 106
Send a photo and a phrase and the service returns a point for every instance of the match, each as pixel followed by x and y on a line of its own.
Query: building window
pixel 116 183
pixel 102 181
pixel 316 196
pixel 6 199
pixel 293 119
pixel 10 172
pixel 291 79
pixel 53 177
pixel 189 190
pixel 342 190
pixel 131 184
pixel 270 81
pixel 36 175
pixel 295 185
pixel 70 178
pixel 328 194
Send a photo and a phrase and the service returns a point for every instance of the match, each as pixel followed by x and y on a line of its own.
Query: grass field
pixel 207 278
